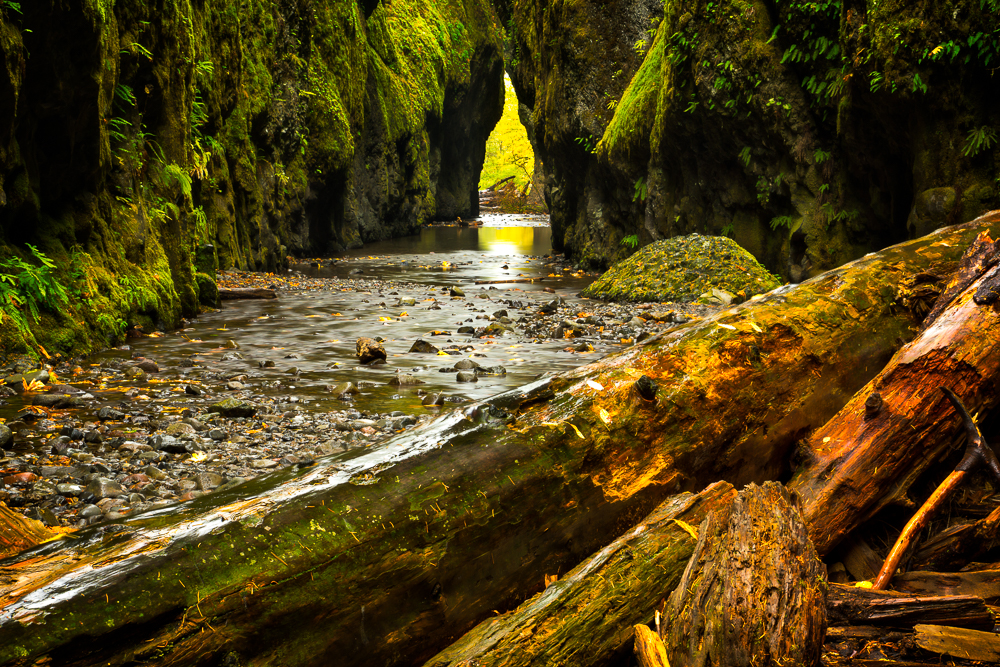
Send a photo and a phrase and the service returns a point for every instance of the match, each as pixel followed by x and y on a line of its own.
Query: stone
pixel 69 490
pixel 208 481
pixel 491 370
pixel 467 376
pixel 57 401
pixel 420 345
pixel 231 345
pixel 192 390
pixel 234 407
pixel 180 428
pixel 5 435
pixel 102 487
pixel 265 363
pixel 148 365
pixel 93 436
pixel 368 350
pixel 344 389
pixel 232 356
pixel 456 291
pixel 107 413
pixel 465 364
pixel 234 385
pixel 88 511
pixel 408 302
pixel 153 472
pixel 217 434
pixel 493 329
pixel 135 373
pixel 263 464
pixel 466 330
pixel 405 380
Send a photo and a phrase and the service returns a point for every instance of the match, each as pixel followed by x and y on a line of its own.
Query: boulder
pixel 369 349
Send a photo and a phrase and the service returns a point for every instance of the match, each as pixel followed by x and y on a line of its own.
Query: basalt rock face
pixel 811 133
pixel 138 138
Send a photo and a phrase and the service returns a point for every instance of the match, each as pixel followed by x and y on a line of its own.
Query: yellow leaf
pixel 595 385
pixel 385 319
pixel 442 353
pixel 605 417
pixel 577 431
pixel 404 314
pixel 691 530
pixel 863 584
pixel 199 456
pixel 753 325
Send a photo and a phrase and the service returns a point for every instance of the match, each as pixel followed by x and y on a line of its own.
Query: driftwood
pixel 233 293
pixel 851 605
pixel 862 459
pixel 983 583
pixel 959 642
pixel 387 556
pixel 754 590
pixel 600 599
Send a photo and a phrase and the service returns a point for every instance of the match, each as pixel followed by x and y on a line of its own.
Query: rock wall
pixel 810 132
pixel 143 143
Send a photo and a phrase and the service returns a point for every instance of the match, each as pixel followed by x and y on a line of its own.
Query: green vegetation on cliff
pixel 144 146
pixel 508 152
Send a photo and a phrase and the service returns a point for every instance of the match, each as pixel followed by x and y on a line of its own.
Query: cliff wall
pixel 143 143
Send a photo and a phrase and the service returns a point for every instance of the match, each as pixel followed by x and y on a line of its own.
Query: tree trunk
pixel 753 593
pixel 587 616
pixel 385 556
pixel 864 458
pixel 850 605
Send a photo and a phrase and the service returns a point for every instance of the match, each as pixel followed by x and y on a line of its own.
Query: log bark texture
pixel 754 591
pixel 984 583
pixel 851 605
pixel 859 462
pixel 385 555
pixel 18 532
pixel 649 648
pixel 587 616
pixel 953 548
pixel 959 642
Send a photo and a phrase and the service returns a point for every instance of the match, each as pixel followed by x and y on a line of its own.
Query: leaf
pixel 753 325
pixel 728 326
pixel 691 530
pixel 595 385
pixel 605 417
pixel 577 430
pixel 863 584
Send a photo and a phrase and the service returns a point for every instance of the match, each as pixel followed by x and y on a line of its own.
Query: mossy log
pixel 901 422
pixel 754 591
pixel 600 600
pixel 386 555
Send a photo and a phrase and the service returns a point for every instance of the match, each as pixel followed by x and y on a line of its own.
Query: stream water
pixel 318 328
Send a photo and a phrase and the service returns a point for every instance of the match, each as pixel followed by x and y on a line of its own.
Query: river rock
pixel 344 389
pixel 368 350
pixel 405 380
pixel 102 487
pixel 231 345
pixel 466 330
pixel 88 511
pixel 420 345
pixel 491 370
pixel 232 356
pixel 57 401
pixel 234 407
pixel 456 291
pixel 154 473
pixel 180 428
pixel 217 434
pixel 208 481
pixel 147 365
pixel 493 329
pixel 134 372
pixel 69 490
pixel 467 376
pixel 5 436
pixel 192 390
pixel 263 464
pixel 108 413
pixel 465 365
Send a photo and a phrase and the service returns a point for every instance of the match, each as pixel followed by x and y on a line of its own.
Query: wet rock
pixel 550 307
pixel 180 429
pixel 466 376
pixel 192 390
pixel 265 363
pixel 108 413
pixel 5 435
pixel 263 464
pixel 344 389
pixel 491 370
pixel 136 478
pixel 57 401
pixel 58 472
pixel 456 291
pixel 235 385
pixel 148 365
pixel 232 356
pixel 465 364
pixel 407 302
pixel 20 479
pixel 102 487
pixel 217 434
pixel 45 515
pixel 69 490
pixel 135 373
pixel 433 399
pixel 420 345
pixel 494 329
pixel 369 350
pixel 90 511
pixel 208 481
pixel 233 407
pixel 154 473
pixel 405 380
pixel 466 330
pixel 231 345
pixel 646 387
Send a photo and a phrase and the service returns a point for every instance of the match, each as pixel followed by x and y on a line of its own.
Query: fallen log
pixel 958 545
pixel 18 532
pixel 600 599
pixel 754 591
pixel 649 648
pixel 384 556
pixel 984 583
pixel 233 293
pixel 863 459
pixel 959 642
pixel 851 605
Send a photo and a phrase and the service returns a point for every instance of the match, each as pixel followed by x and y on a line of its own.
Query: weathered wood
pixel 983 583
pixel 385 555
pixel 959 642
pixel 18 532
pixel 856 464
pixel 234 293
pixel 860 559
pixel 754 590
pixel 600 599
pixel 956 546
pixel 649 649
pixel 851 605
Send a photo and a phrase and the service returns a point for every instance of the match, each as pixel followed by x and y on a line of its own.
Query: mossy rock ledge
pixel 681 269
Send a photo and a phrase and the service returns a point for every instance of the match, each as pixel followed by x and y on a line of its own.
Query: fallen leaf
pixel 605 417
pixel 595 385
pixel 863 584
pixel 753 325
pixel 728 326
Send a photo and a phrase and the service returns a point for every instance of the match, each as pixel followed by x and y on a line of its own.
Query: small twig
pixel 976 451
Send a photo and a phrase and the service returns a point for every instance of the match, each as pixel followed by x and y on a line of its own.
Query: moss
pixel 681 270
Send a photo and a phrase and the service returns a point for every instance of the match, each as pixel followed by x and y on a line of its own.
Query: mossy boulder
pixel 682 269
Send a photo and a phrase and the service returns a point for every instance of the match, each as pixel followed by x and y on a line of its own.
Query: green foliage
pixel 630 241
pixel 10 4
pixel 979 139
pixel 745 156
pixel 508 151
pixel 588 143
pixel 640 190
pixel 782 221
pixel 821 156
pixel 30 287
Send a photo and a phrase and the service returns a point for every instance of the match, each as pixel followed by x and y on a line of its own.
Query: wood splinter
pixel 975 451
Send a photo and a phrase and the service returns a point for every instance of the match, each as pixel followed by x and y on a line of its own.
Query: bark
pixel 599 600
pixel 18 532
pixel 649 649
pixel 384 556
pixel 232 293
pixel 984 583
pixel 859 462
pixel 754 591
pixel 958 545
pixel 850 605
pixel 959 642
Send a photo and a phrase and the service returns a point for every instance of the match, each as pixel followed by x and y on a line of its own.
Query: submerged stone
pixel 683 268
